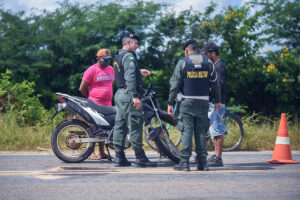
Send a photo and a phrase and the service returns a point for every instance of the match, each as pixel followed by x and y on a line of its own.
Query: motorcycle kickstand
pixel 109 157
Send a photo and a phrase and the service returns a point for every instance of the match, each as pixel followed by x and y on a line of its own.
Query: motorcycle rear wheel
pixel 63 141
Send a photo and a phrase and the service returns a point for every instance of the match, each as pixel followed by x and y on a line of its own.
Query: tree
pixel 282 22
pixel 55 48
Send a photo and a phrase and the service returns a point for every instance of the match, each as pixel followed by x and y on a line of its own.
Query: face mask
pixel 104 63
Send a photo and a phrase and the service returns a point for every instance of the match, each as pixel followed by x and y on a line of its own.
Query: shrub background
pixel 47 53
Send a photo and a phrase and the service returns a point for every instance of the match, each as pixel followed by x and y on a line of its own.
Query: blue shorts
pixel 216 117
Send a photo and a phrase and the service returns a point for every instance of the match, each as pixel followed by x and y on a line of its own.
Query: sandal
pixel 94 157
pixel 105 156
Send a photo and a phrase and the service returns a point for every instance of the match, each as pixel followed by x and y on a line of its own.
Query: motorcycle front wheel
pixel 163 144
pixel 173 132
pixel 166 146
pixel 64 141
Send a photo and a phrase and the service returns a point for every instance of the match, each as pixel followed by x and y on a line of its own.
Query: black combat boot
pixel 182 166
pixel 142 160
pixel 202 166
pixel 121 160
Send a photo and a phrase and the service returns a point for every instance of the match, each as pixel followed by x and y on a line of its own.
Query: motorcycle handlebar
pixel 150 86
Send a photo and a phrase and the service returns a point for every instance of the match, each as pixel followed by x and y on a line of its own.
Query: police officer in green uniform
pixel 191 81
pixel 129 117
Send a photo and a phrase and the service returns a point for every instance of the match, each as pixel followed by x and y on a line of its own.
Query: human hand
pixel 145 72
pixel 218 106
pixel 171 110
pixel 137 103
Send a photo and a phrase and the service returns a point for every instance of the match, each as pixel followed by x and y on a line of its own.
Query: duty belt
pixel 181 96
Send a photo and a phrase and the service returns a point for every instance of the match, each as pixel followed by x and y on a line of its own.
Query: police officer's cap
pixel 210 47
pixel 187 43
pixel 133 36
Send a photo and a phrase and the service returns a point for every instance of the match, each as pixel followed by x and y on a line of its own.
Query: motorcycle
pixel 73 140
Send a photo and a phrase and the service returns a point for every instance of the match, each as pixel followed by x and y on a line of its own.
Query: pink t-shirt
pixel 100 82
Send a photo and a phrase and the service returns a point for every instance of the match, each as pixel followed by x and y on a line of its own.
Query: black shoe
pixel 182 166
pixel 121 160
pixel 202 166
pixel 142 160
pixel 211 158
pixel 215 162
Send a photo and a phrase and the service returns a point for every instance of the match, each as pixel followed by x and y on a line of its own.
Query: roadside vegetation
pixel 260 133
pixel 47 53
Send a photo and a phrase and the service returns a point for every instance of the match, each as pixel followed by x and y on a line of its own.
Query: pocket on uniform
pixel 124 97
pixel 136 120
pixel 187 103
pixel 206 124
pixel 179 125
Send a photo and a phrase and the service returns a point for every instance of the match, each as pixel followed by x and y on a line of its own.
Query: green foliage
pixel 281 71
pixel 19 98
pixel 23 138
pixel 281 20
pixel 261 132
pixel 53 49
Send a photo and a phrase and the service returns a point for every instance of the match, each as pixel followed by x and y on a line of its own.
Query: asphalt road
pixel 245 175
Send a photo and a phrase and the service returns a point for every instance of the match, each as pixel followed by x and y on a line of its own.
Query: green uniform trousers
pixel 128 119
pixel 193 120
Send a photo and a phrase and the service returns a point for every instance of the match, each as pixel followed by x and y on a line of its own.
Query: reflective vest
pixel 196 80
pixel 119 73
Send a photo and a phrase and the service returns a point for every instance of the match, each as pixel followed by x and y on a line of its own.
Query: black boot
pixel 182 166
pixel 202 166
pixel 121 160
pixel 142 160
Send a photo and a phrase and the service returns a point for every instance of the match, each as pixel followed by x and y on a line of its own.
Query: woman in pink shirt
pixel 97 85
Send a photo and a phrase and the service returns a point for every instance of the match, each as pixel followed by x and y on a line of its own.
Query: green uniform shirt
pixel 177 77
pixel 130 64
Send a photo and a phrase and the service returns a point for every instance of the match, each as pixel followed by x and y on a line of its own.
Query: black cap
pixel 187 43
pixel 133 36
pixel 210 46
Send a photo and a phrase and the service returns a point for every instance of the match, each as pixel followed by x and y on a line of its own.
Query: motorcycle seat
pixel 105 110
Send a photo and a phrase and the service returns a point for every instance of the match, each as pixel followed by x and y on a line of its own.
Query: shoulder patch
pixel 131 64
pixel 131 58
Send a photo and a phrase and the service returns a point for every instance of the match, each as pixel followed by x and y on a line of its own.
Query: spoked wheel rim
pixel 147 129
pixel 67 141
pixel 164 136
pixel 173 133
pixel 234 132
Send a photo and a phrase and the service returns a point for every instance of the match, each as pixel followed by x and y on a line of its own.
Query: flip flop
pixel 105 156
pixel 94 158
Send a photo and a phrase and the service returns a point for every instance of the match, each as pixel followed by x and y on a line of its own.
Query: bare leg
pixel 219 140
pixel 102 154
pixel 93 156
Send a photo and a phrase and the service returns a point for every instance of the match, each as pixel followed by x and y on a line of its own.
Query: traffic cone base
pixel 282 152
pixel 283 161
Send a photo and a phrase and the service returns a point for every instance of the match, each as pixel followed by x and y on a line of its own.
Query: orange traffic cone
pixel 282 151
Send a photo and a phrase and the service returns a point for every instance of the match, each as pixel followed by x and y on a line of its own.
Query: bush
pixel 20 98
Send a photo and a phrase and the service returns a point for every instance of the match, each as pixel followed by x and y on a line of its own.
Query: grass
pixel 27 138
pixel 260 134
